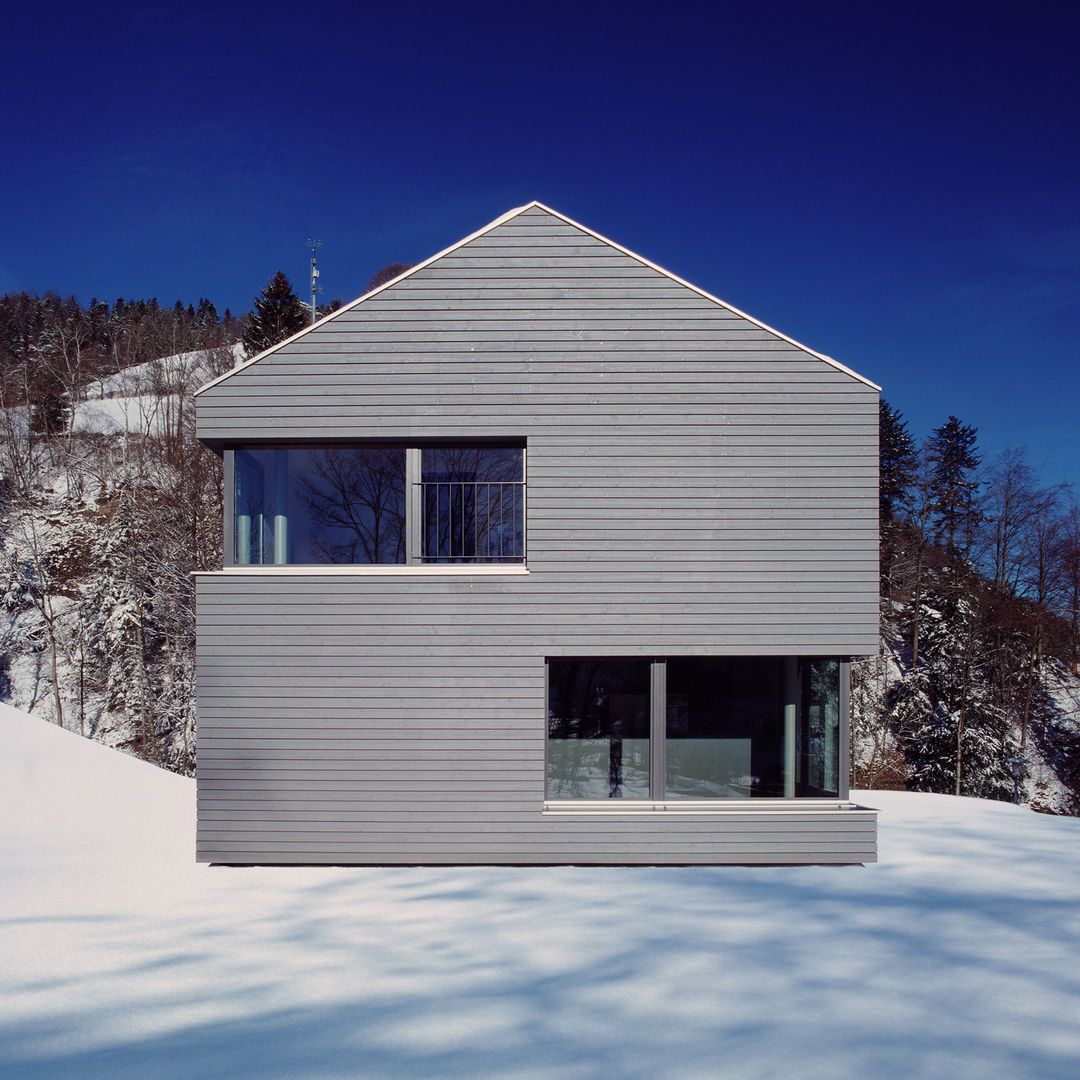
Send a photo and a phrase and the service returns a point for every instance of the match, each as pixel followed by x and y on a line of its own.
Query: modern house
pixel 537 554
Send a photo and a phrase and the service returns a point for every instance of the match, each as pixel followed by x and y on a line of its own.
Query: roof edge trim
pixel 707 295
pixel 503 218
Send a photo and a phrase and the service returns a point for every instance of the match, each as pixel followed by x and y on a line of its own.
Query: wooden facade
pixel 697 485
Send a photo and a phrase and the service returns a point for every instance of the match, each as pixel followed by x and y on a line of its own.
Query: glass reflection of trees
pixel 598 729
pixel 473 504
pixel 350 505
pixel 817 765
pixel 309 505
pixel 733 727
pixel 355 504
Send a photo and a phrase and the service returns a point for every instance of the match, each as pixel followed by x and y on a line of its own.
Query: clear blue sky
pixel 896 185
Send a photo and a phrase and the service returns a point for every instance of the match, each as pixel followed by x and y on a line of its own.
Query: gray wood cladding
pixel 696 485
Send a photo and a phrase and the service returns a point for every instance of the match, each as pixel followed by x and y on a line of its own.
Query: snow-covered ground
pixel 956 956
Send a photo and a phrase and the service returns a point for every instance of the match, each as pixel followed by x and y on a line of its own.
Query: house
pixel 536 554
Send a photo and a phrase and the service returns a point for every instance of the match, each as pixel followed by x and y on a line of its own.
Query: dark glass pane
pixel 313 505
pixel 253 505
pixel 817 767
pixel 724 728
pixel 473 504
pixel 598 729
pixel 490 464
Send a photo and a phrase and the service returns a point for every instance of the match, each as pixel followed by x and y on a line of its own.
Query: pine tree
pixel 206 314
pixel 953 484
pixel 953 732
pixel 277 315
pixel 898 460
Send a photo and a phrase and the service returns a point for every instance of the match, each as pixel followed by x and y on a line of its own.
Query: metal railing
pixel 472 521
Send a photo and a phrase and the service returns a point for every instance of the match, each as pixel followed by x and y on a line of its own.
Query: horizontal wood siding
pixel 426 745
pixel 696 486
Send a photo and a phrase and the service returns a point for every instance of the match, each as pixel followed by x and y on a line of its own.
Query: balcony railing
pixel 472 521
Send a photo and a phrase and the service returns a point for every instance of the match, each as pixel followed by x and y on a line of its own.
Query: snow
pixel 120 958
pixel 131 399
pixel 1064 690
pixel 189 367
pixel 142 414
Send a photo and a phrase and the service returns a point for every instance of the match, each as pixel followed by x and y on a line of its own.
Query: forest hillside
pixel 108 504
pixel 975 685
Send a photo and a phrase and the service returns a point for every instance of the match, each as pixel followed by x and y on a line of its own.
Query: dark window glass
pixel 817 766
pixel 724 725
pixel 473 504
pixel 734 727
pixel 320 505
pixel 598 729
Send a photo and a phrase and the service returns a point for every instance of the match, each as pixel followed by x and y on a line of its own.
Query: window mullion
pixel 229 492
pixel 657 728
pixel 791 704
pixel 844 749
pixel 413 513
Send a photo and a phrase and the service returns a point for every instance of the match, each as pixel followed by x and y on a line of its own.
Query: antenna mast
pixel 315 287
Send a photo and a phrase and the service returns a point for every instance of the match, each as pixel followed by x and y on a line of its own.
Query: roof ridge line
pixel 502 219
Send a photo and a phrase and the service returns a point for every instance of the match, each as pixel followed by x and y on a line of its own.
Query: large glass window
pixel 724 738
pixel 598 729
pixel 320 505
pixel 723 728
pixel 379 504
pixel 818 760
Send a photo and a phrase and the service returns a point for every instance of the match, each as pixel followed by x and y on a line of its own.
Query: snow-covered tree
pixel 951 725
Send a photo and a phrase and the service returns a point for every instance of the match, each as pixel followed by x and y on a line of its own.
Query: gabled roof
pixel 509 216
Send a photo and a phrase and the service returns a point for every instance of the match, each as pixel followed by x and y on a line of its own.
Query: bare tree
pixel 1069 564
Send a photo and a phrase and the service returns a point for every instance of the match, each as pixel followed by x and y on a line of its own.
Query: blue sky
pixel 896 185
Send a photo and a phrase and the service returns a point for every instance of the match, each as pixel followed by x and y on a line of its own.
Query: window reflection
pixel 598 729
pixel 351 505
pixel 320 505
pixel 473 504
pixel 733 727
pixel 725 736
pixel 817 770
pixel 355 503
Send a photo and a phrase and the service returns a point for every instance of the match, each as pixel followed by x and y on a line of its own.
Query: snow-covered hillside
pixel 101 526
pixel 955 956
pixel 141 398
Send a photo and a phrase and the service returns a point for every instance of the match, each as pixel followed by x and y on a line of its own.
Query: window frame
pixel 415 563
pixel 791 681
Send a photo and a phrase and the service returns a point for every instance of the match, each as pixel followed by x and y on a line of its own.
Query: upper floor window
pixel 320 505
pixel 379 505
pixel 472 504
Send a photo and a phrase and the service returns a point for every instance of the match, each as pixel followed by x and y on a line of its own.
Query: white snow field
pixel 958 955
